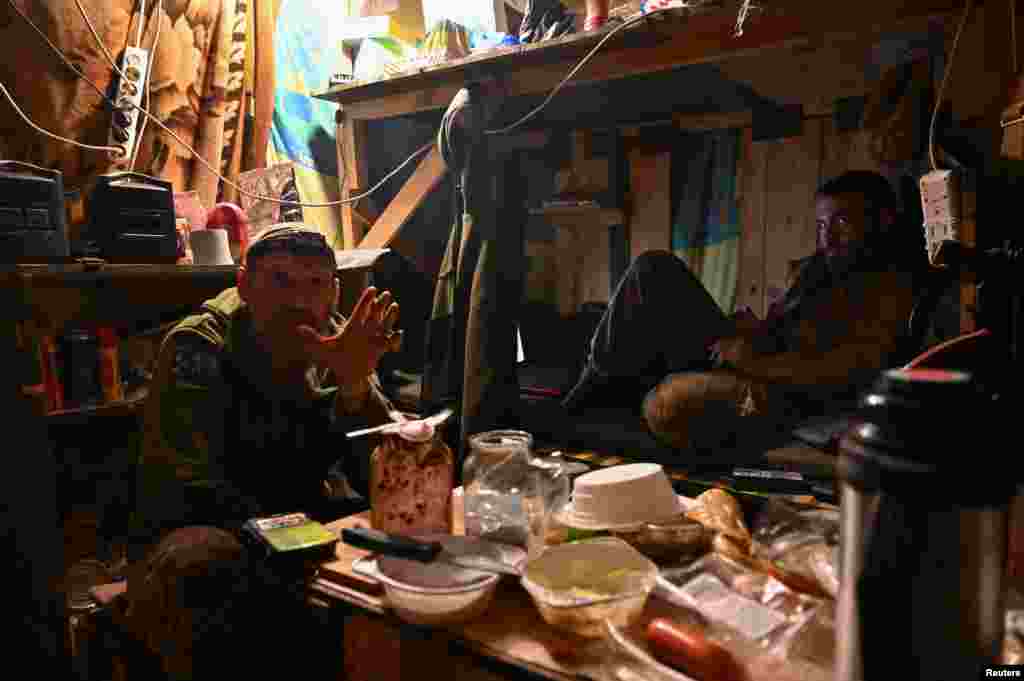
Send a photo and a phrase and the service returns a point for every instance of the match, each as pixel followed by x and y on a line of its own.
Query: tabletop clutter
pixel 592 547
pixel 719 587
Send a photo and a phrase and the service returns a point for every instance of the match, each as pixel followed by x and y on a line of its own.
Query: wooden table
pixel 378 647
pixel 511 632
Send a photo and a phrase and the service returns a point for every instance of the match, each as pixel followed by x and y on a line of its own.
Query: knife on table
pixel 401 546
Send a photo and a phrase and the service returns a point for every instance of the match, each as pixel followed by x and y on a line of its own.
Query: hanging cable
pixel 327 204
pixel 741 18
pixel 198 157
pixel 142 16
pixel 583 62
pixel 99 41
pixel 56 50
pixel 942 86
pixel 43 131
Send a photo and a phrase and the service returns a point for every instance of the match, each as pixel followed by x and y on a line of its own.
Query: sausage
pixel 687 649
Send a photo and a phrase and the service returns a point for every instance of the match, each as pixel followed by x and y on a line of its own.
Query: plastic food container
pixel 439 594
pixel 577 586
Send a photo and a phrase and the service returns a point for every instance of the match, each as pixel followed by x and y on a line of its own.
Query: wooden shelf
pixel 51 296
pixel 130 406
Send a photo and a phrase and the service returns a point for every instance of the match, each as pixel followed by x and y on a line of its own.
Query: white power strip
pixel 940 202
pixel 130 90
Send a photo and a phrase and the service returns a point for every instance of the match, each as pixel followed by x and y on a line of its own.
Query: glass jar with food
pixel 412 473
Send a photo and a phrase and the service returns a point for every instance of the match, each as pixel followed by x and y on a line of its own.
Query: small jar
pixel 412 474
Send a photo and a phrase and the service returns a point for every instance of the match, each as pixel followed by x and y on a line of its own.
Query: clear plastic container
pixel 577 586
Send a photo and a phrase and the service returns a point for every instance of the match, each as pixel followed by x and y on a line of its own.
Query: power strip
pixel 940 202
pixel 134 64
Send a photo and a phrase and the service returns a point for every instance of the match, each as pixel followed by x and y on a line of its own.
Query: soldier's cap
pixel 295 238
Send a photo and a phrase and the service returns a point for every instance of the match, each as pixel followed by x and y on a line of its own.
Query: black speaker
pixel 32 216
pixel 131 218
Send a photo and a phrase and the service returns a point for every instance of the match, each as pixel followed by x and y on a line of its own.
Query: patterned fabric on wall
pixel 233 123
pixel 188 79
pixel 705 223
pixel 303 130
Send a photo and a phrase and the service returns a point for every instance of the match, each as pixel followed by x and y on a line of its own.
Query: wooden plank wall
pixel 778 178
pixel 776 183
pixel 650 209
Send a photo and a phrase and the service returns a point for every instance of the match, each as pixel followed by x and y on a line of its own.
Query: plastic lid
pixel 922 393
pixel 921 430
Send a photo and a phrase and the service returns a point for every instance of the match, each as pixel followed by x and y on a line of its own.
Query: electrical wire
pixel 583 62
pixel 327 204
pixel 741 18
pixel 198 157
pixel 99 41
pixel 942 86
pixel 158 17
pixel 43 131
pixel 56 50
pixel 142 16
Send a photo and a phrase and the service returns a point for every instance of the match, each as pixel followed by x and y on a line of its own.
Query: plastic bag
pixel 719 511
pixel 801 545
pixel 1013 638
pixel 544 20
pixel 755 608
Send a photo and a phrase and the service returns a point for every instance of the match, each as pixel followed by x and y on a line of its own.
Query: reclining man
pixel 252 396
pixel 840 323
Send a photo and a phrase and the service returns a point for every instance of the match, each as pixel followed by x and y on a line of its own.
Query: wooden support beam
pixel 425 178
pixel 354 175
pixel 263 12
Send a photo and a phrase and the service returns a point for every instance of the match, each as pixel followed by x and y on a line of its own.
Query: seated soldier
pixel 838 325
pixel 252 396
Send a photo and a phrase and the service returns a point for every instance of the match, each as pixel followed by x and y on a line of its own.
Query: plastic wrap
pixel 1013 638
pixel 719 511
pixel 801 545
pixel 755 608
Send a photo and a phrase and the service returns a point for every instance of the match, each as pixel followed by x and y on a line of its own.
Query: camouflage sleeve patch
pixel 196 362
pixel 185 420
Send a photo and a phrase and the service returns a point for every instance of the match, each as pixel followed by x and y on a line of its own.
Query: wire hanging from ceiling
pixel 741 17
